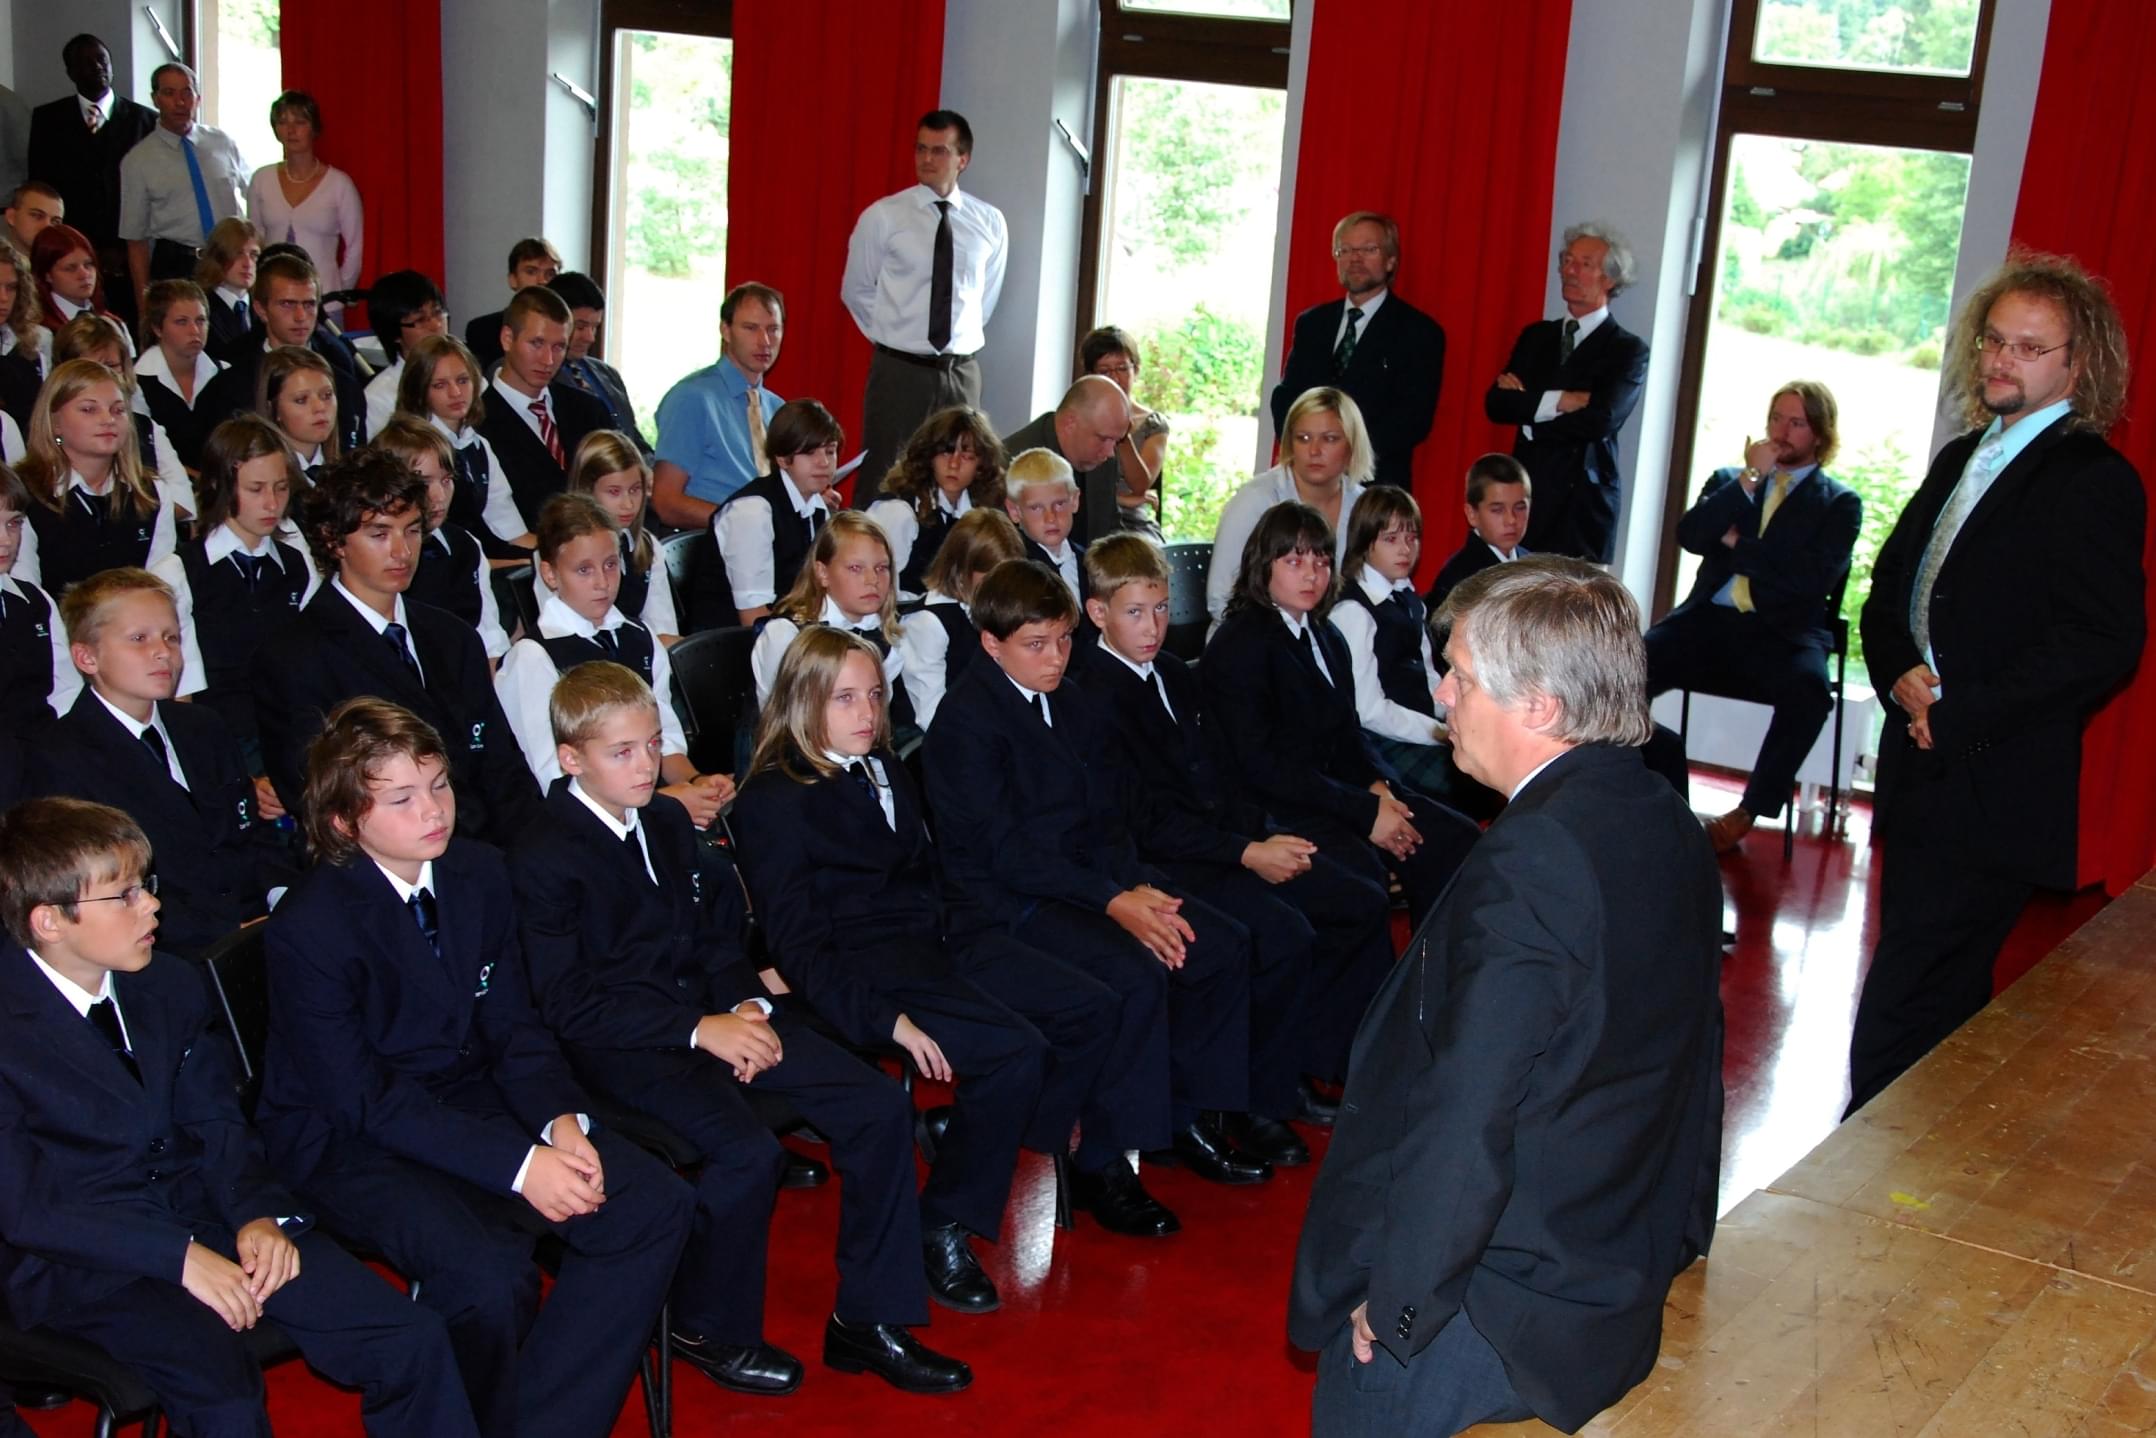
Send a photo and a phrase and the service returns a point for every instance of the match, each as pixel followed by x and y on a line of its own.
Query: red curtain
pixel 1444 117
pixel 2089 190
pixel 376 71
pixel 826 93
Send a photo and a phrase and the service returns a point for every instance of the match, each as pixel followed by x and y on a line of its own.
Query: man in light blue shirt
pixel 177 183
pixel 711 423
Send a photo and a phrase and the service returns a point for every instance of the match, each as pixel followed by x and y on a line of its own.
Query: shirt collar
pixel 802 507
pixel 1589 323
pixel 224 540
pixel 307 461
pixel 1369 306
pixel 2011 442
pixel 102 104
pixel 620 829
pixel 462 438
pixel 232 296
pixel 1143 671
pixel 1502 557
pixel 838 618
pixel 875 765
pixel 154 365
pixel 963 507
pixel 1029 695
pixel 557 620
pixel 129 722
pixel 1296 627
pixel 1378 587
pixel 516 399
pixel 76 481
pixel 366 611
pixel 927 198
pixel 68 307
pixel 404 890
pixel 1530 776
pixel 737 383
pixel 73 992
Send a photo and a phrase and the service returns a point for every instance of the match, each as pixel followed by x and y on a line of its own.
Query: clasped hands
pixel 1913 693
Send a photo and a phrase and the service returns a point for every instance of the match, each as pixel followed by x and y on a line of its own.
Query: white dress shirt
pixel 925 647
pixel 66 678
pixel 95 113
pixel 381 395
pixel 223 543
pixel 163 534
pixel 1065 558
pixel 492 637
pixel 80 998
pixel 526 684
pixel 39 345
pixel 1547 409
pixel 890 264
pixel 778 634
pixel 64 310
pixel 659 615
pixel 1038 702
pixel 154 365
pixel 501 512
pixel 1379 714
pixel 878 781
pixel 901 525
pixel 1143 671
pixel 743 531
pixel 520 404
pixel 1299 627
pixel 380 625
pixel 1241 515
pixel 138 728
pixel 1369 308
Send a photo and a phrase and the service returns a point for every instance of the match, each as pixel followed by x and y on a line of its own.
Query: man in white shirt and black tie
pixel 923 270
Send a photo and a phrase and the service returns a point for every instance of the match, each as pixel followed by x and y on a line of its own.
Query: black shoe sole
pixel 991 1306
pixel 862 1365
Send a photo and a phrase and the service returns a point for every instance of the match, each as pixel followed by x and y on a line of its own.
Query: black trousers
pixel 1714 648
pixel 1353 918
pixel 869 1122
pixel 566 1371
pixel 1942 921
pixel 1447 835
pixel 900 394
pixel 1572 514
pixel 354 1328
pixel 1091 1036
pixel 1192 1036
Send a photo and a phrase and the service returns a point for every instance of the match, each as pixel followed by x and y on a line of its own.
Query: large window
pixel 241 71
pixel 1841 170
pixel 1180 227
pixel 660 227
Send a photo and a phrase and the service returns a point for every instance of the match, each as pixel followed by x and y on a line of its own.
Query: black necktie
pixel 155 743
pixel 860 775
pixel 394 633
pixel 814 520
pixel 610 641
pixel 246 315
pixel 90 506
pixel 1345 350
pixel 1040 707
pixel 1310 648
pixel 105 1015
pixel 314 472
pixel 939 281
pixel 423 912
pixel 635 848
pixel 1571 337
pixel 1410 603
pixel 250 567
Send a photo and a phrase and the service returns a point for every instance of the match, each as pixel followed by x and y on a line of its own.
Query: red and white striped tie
pixel 548 435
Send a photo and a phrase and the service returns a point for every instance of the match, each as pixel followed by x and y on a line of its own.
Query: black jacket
pixel 534 477
pixel 83 167
pixel 1394 376
pixel 1793 566
pixel 1576 449
pixel 1194 815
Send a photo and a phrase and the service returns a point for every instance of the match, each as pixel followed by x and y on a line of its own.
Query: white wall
pixel 36 31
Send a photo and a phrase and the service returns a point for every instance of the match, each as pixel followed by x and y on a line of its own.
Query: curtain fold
pixel 376 71
pixel 2088 190
pixel 826 96
pixel 1444 117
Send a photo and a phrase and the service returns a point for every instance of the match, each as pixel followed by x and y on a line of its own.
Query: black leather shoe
pixel 1265 1138
pixel 892 1353
pixel 1203 1149
pixel 804 1172
pixel 930 1127
pixel 955 1279
pixel 1317 1108
pixel 1120 1204
pixel 746 1368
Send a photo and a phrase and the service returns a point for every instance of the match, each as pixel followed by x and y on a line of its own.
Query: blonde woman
pixel 92 504
pixel 1325 461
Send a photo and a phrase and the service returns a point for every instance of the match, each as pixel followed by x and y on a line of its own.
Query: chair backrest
pixel 703 598
pixel 238 968
pixel 1188 563
pixel 716 691
pixel 522 582
pixel 1837 626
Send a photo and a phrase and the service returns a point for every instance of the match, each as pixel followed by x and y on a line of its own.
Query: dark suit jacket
pixel 215 856
pixel 534 477
pixel 233 391
pixel 1469 560
pixel 1532 1124
pixel 1573 449
pixel 1394 376
pixel 19 384
pixel 372 1036
pixel 83 167
pixel 103 1180
pixel 1193 816
pixel 1098 515
pixel 483 337
pixel 614 393
pixel 850 905
pixel 1793 566
pixel 616 965
pixel 329 655
pixel 1291 743
pixel 227 330
pixel 2036 617
pixel 1024 814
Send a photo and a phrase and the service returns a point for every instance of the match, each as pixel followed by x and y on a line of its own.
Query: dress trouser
pixel 902 391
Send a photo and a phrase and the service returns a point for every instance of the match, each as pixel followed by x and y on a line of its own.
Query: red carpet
pixel 1101 1335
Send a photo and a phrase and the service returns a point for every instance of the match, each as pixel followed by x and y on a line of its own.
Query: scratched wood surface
pixel 1973 1254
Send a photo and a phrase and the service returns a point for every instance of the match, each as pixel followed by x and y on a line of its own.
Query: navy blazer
pixel 330 654
pixel 1192 814
pixel 1531 1130
pixel 216 856
pixel 1291 743
pixel 1394 376
pixel 2036 616
pixel 1793 566
pixel 83 167
pixel 534 477
pixel 1580 447
pixel 846 899
pixel 617 965
pixel 1026 814
pixel 1469 560
pixel 438 1059
pixel 104 1180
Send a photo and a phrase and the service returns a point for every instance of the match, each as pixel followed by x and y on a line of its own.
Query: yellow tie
pixel 756 429
pixel 1741 591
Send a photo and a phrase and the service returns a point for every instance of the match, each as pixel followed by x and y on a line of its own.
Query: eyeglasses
pixel 130 896
pixel 2025 351
pixel 432 314
pixel 1362 252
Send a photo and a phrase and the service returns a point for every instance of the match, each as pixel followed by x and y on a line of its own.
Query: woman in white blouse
pixel 305 200
pixel 1325 460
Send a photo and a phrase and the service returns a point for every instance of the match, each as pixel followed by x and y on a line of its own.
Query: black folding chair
pixel 703 599
pixel 1188 564
pixel 715 692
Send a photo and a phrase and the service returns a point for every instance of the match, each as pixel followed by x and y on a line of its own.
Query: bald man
pixel 1084 428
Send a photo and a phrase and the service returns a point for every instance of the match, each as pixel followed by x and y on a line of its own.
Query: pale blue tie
pixel 1982 469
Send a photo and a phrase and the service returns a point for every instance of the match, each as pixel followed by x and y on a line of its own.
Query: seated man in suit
pixel 1499 498
pixel 136 1210
pixel 410 1091
pixel 1530 1141
pixel 287 305
pixel 532 261
pixel 1774 538
pixel 1083 430
pixel 533 419
pixel 359 635
pixel 1035 815
pixel 634 932
pixel 1388 355
pixel 1570 385
pixel 174 768
pixel 583 368
pixel 1320 933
